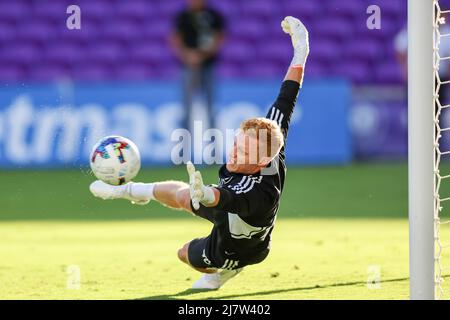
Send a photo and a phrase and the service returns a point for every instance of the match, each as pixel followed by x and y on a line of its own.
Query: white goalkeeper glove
pixel 300 39
pixel 198 191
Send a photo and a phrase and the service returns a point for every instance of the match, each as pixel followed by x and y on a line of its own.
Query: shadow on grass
pixel 189 292
pixel 177 296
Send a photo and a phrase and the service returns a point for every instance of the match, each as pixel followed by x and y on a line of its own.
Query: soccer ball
pixel 115 160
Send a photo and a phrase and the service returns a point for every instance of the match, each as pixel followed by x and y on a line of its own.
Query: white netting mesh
pixel 440 33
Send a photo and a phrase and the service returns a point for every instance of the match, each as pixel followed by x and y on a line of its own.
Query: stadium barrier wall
pixel 379 123
pixel 56 125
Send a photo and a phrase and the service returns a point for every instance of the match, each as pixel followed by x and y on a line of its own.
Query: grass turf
pixel 310 259
pixel 336 226
pixel 369 190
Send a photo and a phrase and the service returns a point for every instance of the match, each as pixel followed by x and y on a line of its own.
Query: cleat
pixel 214 281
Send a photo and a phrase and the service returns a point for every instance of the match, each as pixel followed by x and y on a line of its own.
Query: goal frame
pixel 421 150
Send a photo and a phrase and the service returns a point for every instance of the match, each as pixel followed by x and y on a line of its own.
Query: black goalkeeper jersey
pixel 245 215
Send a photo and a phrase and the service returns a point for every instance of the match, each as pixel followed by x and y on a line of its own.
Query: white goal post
pixel 421 148
pixel 428 57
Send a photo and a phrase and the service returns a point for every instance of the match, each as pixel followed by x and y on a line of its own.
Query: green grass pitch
pixel 338 229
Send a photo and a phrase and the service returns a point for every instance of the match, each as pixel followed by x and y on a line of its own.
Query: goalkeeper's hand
pixel 198 191
pixel 300 40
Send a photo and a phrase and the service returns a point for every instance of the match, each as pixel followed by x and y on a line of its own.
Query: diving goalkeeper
pixel 244 205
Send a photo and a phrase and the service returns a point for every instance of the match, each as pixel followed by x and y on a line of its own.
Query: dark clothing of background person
pixel 197 37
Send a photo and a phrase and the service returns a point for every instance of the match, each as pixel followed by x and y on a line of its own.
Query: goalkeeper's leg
pixel 194 254
pixel 174 194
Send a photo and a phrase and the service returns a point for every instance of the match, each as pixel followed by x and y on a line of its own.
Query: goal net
pixel 428 148
pixel 441 194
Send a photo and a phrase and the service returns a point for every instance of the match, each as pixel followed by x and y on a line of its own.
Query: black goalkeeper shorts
pixel 202 253
pixel 207 252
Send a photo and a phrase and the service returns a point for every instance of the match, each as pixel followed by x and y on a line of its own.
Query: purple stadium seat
pixel 326 50
pixel 169 60
pixel 95 10
pixel 316 70
pixel 358 72
pixel 36 31
pixel 55 12
pixel 444 4
pixel 249 29
pixel 13 11
pixel 259 9
pixel 20 53
pixel 125 31
pixel 91 72
pixel 11 73
pixel 133 71
pixel 149 52
pixel 264 71
pixel 363 49
pixel 339 28
pixel 389 72
pixel 7 32
pixel 391 26
pixel 137 10
pixel 169 8
pixel 228 70
pixel 392 8
pixel 129 39
pixel 156 30
pixel 62 53
pixel 168 71
pixel 104 52
pixel 237 52
pixel 90 33
pixel 390 52
pixel 275 50
pixel 48 72
pixel 226 8
pixel 347 8
pixel 301 9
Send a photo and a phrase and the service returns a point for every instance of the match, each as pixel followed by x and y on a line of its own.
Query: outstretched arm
pixel 178 195
pixel 282 109
pixel 294 74
pixel 172 194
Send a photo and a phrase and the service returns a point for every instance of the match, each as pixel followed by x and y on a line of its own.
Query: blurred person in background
pixel 401 49
pixel 197 38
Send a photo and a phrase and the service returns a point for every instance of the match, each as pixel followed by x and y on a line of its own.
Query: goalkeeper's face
pixel 245 155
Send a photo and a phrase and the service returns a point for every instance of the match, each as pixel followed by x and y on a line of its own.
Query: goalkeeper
pixel 243 206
